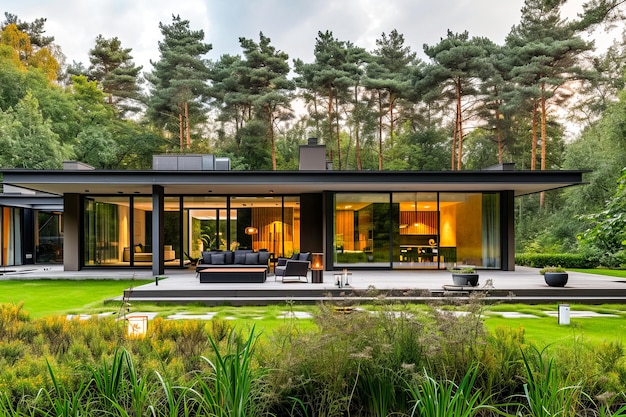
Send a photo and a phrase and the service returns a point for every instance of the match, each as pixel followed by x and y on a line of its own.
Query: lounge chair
pixel 296 270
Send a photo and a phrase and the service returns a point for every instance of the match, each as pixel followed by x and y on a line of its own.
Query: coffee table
pixel 233 275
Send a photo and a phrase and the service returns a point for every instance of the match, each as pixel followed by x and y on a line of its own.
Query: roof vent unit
pixel 189 163
pixel 506 166
pixel 76 166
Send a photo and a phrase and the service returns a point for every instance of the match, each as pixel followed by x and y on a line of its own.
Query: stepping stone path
pixel 307 315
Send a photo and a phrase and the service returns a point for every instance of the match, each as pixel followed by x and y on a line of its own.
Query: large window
pixel 470 228
pixel 417 230
pixel 49 237
pixel 107 230
pixel 10 242
pixel 362 230
pixel 118 230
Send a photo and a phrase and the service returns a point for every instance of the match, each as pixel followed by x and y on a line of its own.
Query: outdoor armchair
pixel 296 270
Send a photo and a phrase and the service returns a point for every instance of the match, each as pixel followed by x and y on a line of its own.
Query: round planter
pixel 556 279
pixel 465 279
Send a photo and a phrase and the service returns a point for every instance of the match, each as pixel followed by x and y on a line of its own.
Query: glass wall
pixel 10 244
pixel 470 228
pixel 139 252
pixel 107 230
pixel 362 230
pixel 417 230
pixel 49 237
pixel 118 230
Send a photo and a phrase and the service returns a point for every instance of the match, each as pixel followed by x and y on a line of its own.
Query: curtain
pixel 491 231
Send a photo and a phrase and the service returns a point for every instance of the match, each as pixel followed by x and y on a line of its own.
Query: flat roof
pixel 287 182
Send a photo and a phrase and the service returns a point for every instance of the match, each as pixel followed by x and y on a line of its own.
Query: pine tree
pixel 179 79
pixel 388 76
pixel 113 68
pixel 457 63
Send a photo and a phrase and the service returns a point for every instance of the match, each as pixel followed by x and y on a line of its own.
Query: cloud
pixel 291 25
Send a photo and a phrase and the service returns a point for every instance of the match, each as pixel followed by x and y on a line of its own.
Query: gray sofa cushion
pixel 240 258
pixel 252 258
pixel 206 257
pixel 218 258
pixel 229 257
pixel 264 258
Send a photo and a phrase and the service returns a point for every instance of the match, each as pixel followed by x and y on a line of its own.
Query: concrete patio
pixel 181 286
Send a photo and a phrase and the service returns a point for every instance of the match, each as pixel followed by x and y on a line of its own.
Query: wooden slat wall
pixel 426 222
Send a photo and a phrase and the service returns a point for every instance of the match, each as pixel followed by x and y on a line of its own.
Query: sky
pixel 292 25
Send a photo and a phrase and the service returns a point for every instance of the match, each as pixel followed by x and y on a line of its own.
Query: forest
pixel 471 104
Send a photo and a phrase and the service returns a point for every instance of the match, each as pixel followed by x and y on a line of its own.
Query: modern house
pixel 189 203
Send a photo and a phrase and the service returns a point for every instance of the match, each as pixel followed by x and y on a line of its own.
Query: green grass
pixel 621 273
pixel 56 297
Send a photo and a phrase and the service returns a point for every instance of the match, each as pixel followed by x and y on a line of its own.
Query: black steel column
pixel 507 230
pixel 158 233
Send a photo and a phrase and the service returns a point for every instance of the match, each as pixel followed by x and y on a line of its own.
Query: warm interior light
pixel 251 230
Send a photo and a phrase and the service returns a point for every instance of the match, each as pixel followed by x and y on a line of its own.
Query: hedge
pixel 566 260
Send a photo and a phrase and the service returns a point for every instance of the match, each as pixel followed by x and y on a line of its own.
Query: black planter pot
pixel 556 279
pixel 465 279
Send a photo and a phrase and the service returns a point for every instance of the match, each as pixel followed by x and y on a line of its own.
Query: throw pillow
pixel 229 257
pixel 304 256
pixel 264 258
pixel 240 258
pixel 206 257
pixel 252 258
pixel 217 258
pixel 138 249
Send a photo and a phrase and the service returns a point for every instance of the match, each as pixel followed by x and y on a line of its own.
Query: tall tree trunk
pixel 357 146
pixel 453 153
pixel 330 122
pixel 460 122
pixel 181 127
pixel 391 100
pixel 499 137
pixel 533 151
pixel 272 142
pixel 337 128
pixel 187 125
pixel 380 132
pixel 544 139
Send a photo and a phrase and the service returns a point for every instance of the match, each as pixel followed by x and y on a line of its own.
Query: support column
pixel 72 236
pixel 507 229
pixel 158 234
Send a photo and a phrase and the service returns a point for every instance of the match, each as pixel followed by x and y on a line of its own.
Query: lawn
pixel 621 273
pixel 545 330
pixel 55 297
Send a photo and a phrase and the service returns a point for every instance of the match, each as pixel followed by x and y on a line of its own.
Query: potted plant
pixel 555 276
pixel 465 276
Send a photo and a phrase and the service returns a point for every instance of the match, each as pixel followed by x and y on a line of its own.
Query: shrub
pixel 566 260
pixel 543 271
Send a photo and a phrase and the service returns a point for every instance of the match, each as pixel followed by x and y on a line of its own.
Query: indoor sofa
pixel 141 256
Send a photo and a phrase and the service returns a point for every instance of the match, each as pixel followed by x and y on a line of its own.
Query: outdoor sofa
pixel 240 258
